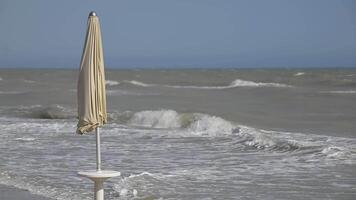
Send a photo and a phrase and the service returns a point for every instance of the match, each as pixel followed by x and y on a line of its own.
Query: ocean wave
pixel 40 112
pixel 204 125
pixel 122 92
pixel 129 187
pixel 261 139
pixel 299 74
pixel 11 92
pixel 233 84
pixel 138 83
pixel 340 92
pixel 28 81
pixel 25 139
pixel 350 75
pixel 244 83
pixel 111 82
pixel 1 79
pixel 156 119
pixel 197 125
pixel 336 152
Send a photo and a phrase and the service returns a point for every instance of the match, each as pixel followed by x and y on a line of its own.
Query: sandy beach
pixel 12 193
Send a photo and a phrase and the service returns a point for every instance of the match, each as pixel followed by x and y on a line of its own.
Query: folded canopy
pixel 91 82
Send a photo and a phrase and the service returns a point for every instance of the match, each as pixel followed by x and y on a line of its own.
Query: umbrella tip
pixel 92 13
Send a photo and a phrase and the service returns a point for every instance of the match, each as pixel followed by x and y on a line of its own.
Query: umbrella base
pixel 99 177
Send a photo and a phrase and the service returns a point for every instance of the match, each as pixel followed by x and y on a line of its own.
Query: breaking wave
pixel 198 125
pixel 129 186
pixel 340 92
pixel 138 83
pixel 111 83
pixel 233 84
pixel 203 125
pixel 25 139
pixel 40 112
pixel 299 74
pixel 124 92
pixel 156 119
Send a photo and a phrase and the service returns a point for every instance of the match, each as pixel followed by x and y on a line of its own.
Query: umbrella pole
pixel 98 183
pixel 98 175
pixel 98 152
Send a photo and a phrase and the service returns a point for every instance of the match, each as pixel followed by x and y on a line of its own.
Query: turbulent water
pixel 185 134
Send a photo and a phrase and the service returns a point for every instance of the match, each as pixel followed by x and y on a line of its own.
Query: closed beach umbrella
pixel 91 85
pixel 91 82
pixel 92 100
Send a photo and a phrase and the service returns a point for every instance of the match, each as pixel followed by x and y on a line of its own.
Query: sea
pixel 270 134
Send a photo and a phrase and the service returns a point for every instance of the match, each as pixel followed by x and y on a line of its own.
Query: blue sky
pixel 181 33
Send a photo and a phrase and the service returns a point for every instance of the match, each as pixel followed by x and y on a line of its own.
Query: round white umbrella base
pixel 99 177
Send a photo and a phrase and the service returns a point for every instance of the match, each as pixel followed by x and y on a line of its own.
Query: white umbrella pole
pixel 98 152
pixel 98 175
pixel 98 183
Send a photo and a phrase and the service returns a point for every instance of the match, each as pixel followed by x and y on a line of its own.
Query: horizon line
pixel 184 67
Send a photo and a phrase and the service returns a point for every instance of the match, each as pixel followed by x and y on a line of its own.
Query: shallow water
pixel 185 134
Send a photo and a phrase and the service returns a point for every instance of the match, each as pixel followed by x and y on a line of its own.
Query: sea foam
pixel 233 84
pixel 111 82
pixel 156 119
pixel 138 83
pixel 204 125
pixel 340 92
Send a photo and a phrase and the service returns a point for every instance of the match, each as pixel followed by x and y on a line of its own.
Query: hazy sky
pixel 181 33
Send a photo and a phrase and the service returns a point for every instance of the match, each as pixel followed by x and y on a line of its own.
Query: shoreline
pixel 12 193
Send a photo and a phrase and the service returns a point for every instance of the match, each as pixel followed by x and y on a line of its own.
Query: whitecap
pixel 121 92
pixel 203 125
pixel 111 82
pixel 242 83
pixel 233 84
pixel 156 119
pixel 195 123
pixel 141 174
pixel 207 125
pixel 350 75
pixel 340 92
pixel 335 152
pixel 126 187
pixel 138 83
pixel 299 74
pixel 25 139
pixel 28 81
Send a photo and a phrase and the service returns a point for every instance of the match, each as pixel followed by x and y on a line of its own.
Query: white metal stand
pixel 98 175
